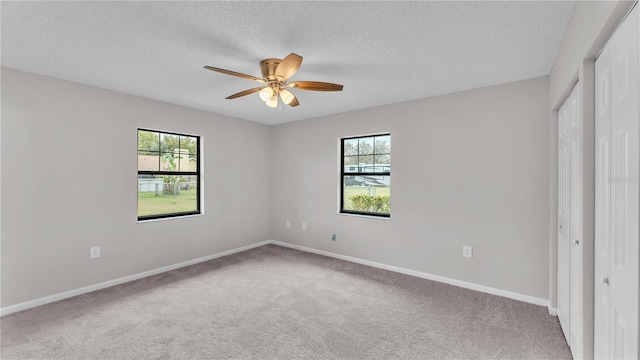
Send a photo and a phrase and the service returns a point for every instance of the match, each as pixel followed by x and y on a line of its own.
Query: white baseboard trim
pixel 83 290
pixel 442 279
pixel 552 311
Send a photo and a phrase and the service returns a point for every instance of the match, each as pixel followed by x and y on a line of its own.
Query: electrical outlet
pixel 467 251
pixel 94 252
pixel 288 223
pixel 304 226
pixel 333 237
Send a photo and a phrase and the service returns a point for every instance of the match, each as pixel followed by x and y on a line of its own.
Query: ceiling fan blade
pixel 294 102
pixel 288 66
pixel 315 86
pixel 233 73
pixel 288 97
pixel 246 92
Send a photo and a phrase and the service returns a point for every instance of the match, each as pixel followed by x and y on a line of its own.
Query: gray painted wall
pixel 69 182
pixel 464 165
pixel 468 168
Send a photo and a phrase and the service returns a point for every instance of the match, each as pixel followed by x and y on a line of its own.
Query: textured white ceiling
pixel 382 52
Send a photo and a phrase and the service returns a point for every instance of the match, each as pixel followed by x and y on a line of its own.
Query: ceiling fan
pixel 275 76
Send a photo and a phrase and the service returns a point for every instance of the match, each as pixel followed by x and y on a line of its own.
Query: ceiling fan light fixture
pixel 273 101
pixel 286 96
pixel 266 94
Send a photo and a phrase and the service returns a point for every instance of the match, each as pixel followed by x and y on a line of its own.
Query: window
pixel 168 174
pixel 366 175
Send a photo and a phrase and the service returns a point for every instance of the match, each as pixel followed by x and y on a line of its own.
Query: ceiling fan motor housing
pixel 268 68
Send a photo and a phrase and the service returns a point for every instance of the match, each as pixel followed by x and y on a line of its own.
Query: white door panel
pixel 563 222
pixel 569 219
pixel 624 188
pixel 603 207
pixel 617 194
pixel 575 320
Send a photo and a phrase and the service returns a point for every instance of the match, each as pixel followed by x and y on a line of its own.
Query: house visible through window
pixel 366 175
pixel 168 174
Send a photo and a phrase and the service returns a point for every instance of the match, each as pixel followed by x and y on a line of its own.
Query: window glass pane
pixel 169 142
pixel 188 182
pixel 365 160
pixel 159 195
pixel 377 168
pixel 169 161
pixel 351 168
pixel 189 164
pixel 181 159
pixel 365 146
pixel 383 144
pixel 148 160
pixel 350 147
pixel 369 193
pixel 189 143
pixel 148 140
pixel 350 160
pixel 383 160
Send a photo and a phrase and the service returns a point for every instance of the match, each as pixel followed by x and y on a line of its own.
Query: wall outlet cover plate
pixel 467 251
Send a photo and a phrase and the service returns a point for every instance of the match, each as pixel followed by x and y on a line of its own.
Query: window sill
pixel 169 218
pixel 366 216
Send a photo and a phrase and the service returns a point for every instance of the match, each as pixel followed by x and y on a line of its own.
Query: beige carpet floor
pixel 278 303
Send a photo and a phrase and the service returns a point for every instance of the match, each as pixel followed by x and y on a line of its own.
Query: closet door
pixel 569 219
pixel 563 223
pixel 617 194
pixel 575 236
pixel 602 306
pixel 625 198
